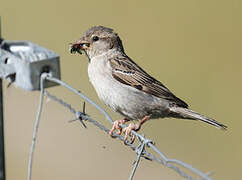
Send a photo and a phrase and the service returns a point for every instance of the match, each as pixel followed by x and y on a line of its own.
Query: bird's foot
pixel 134 127
pixel 116 125
pixel 127 132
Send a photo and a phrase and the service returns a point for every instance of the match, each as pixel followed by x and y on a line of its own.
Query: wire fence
pixel 82 116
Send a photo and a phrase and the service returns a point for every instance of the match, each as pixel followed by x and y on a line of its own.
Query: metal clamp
pixel 23 62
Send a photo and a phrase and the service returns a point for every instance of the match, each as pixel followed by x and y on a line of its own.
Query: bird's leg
pixel 135 127
pixel 116 125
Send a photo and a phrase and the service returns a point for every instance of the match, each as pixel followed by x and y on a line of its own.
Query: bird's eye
pixel 95 38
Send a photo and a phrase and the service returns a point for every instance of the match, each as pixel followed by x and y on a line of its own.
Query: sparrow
pixel 125 87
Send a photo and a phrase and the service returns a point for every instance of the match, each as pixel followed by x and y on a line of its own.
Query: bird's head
pixel 96 41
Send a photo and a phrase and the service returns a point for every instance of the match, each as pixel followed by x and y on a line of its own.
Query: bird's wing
pixel 128 72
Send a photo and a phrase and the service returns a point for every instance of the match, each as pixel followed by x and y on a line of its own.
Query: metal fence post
pixel 2 157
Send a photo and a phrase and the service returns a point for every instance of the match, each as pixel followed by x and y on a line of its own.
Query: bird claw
pixel 116 125
pixel 127 132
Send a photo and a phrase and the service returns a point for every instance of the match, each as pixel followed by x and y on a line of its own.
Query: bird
pixel 125 87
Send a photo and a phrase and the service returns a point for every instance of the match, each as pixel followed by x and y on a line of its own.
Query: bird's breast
pixel 100 75
pixel 109 90
pixel 122 98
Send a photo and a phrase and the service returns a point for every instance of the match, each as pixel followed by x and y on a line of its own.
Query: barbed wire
pixel 82 116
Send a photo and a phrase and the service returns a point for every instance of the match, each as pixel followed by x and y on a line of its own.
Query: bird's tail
pixel 189 114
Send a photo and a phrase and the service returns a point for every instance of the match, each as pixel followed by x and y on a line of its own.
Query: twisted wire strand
pixel 82 116
pixel 145 154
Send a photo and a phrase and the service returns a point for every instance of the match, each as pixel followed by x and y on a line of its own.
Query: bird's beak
pixel 79 46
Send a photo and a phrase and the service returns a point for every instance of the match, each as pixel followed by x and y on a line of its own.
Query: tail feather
pixel 189 114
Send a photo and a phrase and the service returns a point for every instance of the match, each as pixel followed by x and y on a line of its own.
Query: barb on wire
pixel 139 151
pixel 82 116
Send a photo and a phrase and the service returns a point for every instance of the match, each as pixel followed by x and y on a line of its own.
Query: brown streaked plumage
pixel 128 72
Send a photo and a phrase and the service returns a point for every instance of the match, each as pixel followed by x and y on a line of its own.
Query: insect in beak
pixel 79 46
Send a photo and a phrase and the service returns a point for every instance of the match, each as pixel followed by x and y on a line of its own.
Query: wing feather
pixel 129 73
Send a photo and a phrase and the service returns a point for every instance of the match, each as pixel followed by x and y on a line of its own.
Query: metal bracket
pixel 22 63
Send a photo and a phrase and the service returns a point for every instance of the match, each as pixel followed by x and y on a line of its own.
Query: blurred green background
pixel 192 46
